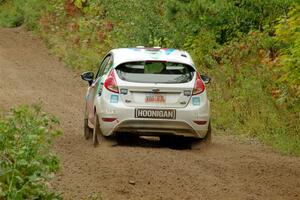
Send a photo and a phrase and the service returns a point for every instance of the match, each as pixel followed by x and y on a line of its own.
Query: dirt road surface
pixel 229 169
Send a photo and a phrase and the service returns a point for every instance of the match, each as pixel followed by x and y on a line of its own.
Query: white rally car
pixel 147 92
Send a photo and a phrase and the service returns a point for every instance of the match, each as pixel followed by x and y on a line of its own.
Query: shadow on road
pixel 172 142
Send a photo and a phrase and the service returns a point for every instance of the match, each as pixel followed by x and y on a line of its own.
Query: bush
pixel 242 96
pixel 202 48
pixel 26 162
pixel 17 12
pixel 10 16
pixel 227 19
pixel 288 33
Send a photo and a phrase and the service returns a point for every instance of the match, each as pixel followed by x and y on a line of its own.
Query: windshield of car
pixel 155 72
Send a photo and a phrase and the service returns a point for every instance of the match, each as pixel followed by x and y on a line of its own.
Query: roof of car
pixel 123 55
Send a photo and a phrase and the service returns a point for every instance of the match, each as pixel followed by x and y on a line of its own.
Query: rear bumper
pixel 125 121
pixel 158 127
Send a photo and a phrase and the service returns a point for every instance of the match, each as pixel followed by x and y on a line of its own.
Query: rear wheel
pixel 206 141
pixel 97 131
pixel 88 132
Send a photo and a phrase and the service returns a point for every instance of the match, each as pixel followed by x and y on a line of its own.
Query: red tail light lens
pixel 109 119
pixel 199 85
pixel 200 122
pixel 111 83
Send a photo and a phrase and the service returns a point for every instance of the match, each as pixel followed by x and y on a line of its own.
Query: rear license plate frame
pixel 147 113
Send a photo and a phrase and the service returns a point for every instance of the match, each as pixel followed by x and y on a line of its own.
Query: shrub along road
pixel 229 169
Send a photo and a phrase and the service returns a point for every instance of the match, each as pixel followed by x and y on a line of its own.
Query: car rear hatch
pixel 155 84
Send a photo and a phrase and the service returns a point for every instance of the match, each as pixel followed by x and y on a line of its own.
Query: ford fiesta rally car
pixel 147 92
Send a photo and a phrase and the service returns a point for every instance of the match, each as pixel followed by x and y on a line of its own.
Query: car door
pixel 96 87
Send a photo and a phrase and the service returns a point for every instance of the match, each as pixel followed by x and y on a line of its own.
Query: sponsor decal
pixel 157 114
pixel 124 91
pixel 169 51
pixel 196 101
pixel 114 98
pixel 88 96
pixel 100 87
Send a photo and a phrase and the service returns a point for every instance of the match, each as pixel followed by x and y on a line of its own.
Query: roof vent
pixel 157 47
pixel 140 47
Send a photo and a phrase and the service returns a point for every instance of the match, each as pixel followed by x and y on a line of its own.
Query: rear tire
pixel 207 139
pixel 96 132
pixel 205 142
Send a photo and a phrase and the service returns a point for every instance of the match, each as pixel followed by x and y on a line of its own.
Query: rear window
pixel 155 72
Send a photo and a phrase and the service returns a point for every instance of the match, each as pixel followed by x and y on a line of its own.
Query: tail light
pixel 109 119
pixel 111 83
pixel 199 85
pixel 200 122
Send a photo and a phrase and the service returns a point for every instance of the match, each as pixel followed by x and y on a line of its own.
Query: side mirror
pixel 205 79
pixel 88 76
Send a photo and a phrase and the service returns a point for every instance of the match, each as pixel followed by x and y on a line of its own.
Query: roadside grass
pixel 9 15
pixel 27 161
pixel 244 88
pixel 17 12
pixel 243 101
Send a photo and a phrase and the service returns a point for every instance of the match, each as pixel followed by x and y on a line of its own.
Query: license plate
pixel 155 114
pixel 155 98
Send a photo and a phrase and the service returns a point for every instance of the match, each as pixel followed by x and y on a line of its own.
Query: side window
pixel 108 66
pixel 103 65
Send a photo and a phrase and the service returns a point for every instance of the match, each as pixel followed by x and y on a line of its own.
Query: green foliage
pixel 79 37
pixel 227 19
pixel 288 33
pixel 10 15
pixel 16 12
pixel 138 22
pixel 241 95
pixel 32 11
pixel 100 26
pixel 79 3
pixel 202 47
pixel 26 162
